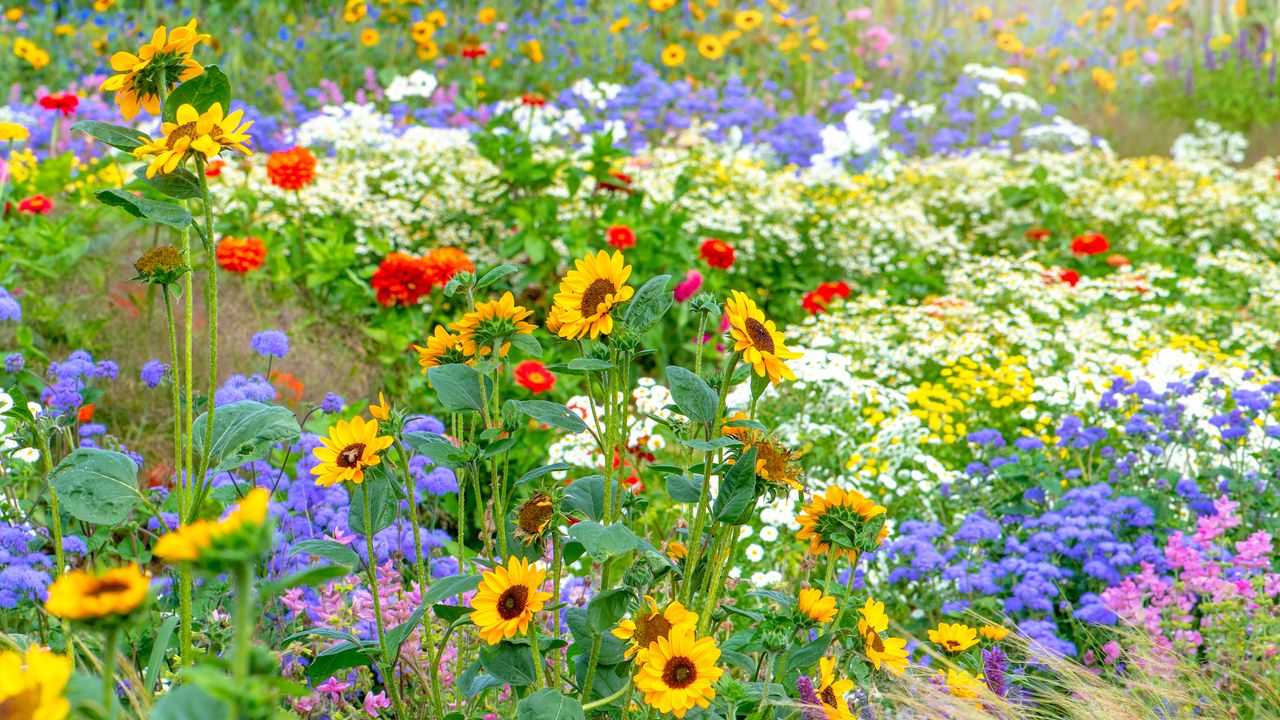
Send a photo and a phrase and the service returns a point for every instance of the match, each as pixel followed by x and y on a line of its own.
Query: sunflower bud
pixel 775 633
pixel 638 575
pixel 160 266
pixel 705 302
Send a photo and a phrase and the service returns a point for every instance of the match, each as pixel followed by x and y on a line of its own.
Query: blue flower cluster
pixel 25 566
pixel 238 388
pixel 73 380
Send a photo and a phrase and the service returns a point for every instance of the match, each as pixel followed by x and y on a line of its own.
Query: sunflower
pixel 676 550
pixel 888 653
pixel 758 339
pixel 80 595
pixel 817 606
pixel 589 293
pixel 873 618
pixel 490 321
pixel 207 134
pixel 190 542
pixel 380 410
pixel 645 628
pixel 748 20
pixel 348 450
pixel 774 462
pixel 962 684
pixel 832 691
pixel 442 348
pixel 32 683
pixel 507 600
pixel 673 56
pixel 710 47
pixel 679 672
pixel 839 514
pixel 994 633
pixel 954 637
pixel 533 517
pixel 163 62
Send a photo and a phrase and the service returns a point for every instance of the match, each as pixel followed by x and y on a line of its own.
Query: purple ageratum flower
pixel 809 697
pixel 1028 443
pixel 107 369
pixel 14 363
pixel 239 387
pixel 994 666
pixel 988 436
pixel 153 372
pixel 423 423
pixel 332 403
pixel 270 343
pixel 9 307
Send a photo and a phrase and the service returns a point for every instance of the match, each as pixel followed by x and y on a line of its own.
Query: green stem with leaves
pixel 246 621
pixel 420 567
pixel 55 527
pixel 388 662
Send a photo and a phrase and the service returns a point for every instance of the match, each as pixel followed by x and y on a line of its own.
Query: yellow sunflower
pixel 710 47
pixel 348 450
pixel 676 550
pixel 837 511
pixel 79 595
pixel 507 599
pixel 954 637
pixel 994 633
pixel 188 542
pixel 817 606
pixel 832 691
pixel 748 20
pixel 32 684
pixel 442 348
pixel 873 618
pixel 888 653
pixel 207 134
pixel 758 339
pixel 673 56
pixel 679 672
pixel 380 410
pixel 962 684
pixel 647 626
pixel 533 517
pixel 589 293
pixel 164 61
pixel 490 321
pixel 774 462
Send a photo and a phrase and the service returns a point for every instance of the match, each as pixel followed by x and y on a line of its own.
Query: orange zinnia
pixel 240 255
pixel 291 169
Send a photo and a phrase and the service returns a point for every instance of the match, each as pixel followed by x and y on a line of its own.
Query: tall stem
pixel 175 396
pixel 55 526
pixel 420 566
pixel 388 663
pixel 211 294
pixel 245 622
pixel 109 673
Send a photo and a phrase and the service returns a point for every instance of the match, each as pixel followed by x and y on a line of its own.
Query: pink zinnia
pixel 686 288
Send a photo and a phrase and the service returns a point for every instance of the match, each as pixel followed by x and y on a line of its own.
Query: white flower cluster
pixel 1209 144
pixel 419 84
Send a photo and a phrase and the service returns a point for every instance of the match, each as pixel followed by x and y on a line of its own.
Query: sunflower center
pixel 952 645
pixel 651 627
pixel 772 461
pixel 106 587
pixel 760 337
pixel 21 706
pixel 679 672
pixel 512 602
pixel 186 130
pixel 350 455
pixel 534 515
pixel 829 697
pixel 596 292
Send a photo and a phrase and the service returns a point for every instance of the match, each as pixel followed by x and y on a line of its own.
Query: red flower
pixel 63 102
pixel 214 168
pixel 621 237
pixel 817 301
pixel 535 376
pixel 1036 234
pixel 291 169
pixel 240 255
pixel 86 413
pixel 532 99
pixel 621 182
pixel 290 382
pixel 717 253
pixel 1070 277
pixel 446 262
pixel 402 279
pixel 35 205
pixel 1090 244
pixel 474 52
pixel 1118 261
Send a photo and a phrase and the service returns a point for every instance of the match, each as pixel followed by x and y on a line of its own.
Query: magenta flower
pixel 375 702
pixel 686 288
pixel 332 686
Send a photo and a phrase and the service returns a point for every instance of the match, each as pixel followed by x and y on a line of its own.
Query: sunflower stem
pixel 211 294
pixel 606 700
pixel 389 669
pixel 695 534
pixel 420 566
pixel 848 591
pixel 55 526
pixel 243 633
pixel 109 673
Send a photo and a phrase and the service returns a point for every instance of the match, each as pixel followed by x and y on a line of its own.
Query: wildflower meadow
pixel 707 359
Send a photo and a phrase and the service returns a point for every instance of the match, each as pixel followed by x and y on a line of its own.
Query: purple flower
pixel 994 665
pixel 809 697
pixel 9 307
pixel 153 372
pixel 332 403
pixel 14 363
pixel 270 343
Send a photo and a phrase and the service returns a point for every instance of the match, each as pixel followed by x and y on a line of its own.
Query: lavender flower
pixel 14 363
pixel 270 343
pixel 9 307
pixel 994 665
pixel 809 697
pixel 332 403
pixel 153 372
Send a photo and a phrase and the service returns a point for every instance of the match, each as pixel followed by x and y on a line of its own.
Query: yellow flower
pixel 32 53
pixel 422 31
pixel 533 49
pixel 887 653
pixel 486 15
pixel 507 599
pixel 873 618
pixel 661 5
pixel 79 595
pixel 679 673
pixel 647 626
pixel 32 684
pixel 774 461
pixel 355 10
pixel 619 25
pixel 428 50
pixel 369 37
pixel 13 131
pixel 532 518
pixel 817 606
pixel 994 633
pixel 166 60
pixel 982 13
pixel 836 510
pixel 207 134
pixel 64 30
pixel 442 348
pixel 748 20
pixel 818 45
pixel 1103 78
pixel 710 47
pixel 349 448
pixel 589 293
pixel 832 691
pixel 676 550
pixel 13 14
pixel 491 321
pixel 381 410
pixel 102 5
pixel 954 637
pixel 188 542
pixel 437 18
pixel 962 684
pixel 758 339
pixel 1008 42
pixel 673 56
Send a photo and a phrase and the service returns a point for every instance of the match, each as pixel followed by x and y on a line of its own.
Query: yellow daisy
pixel 79 595
pixel 887 653
pixel 13 131
pixel 589 293
pixel 348 450
pixel 164 61
pixel 954 638
pixel 758 339
pixel 679 673
pixel 962 684
pixel 188 542
pixel 507 600
pixel 817 606
pixel 32 684
pixel 207 134
pixel 380 410
pixel 710 47
pixel 831 691
pixel 994 633
pixel 673 56
pixel 644 629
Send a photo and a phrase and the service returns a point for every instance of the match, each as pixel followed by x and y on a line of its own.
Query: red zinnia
pixel 621 237
pixel 291 169
pixel 240 255
pixel 1090 244
pixel 717 253
pixel 63 102
pixel 402 279
pixel 817 301
pixel 1070 277
pixel 86 413
pixel 35 205
pixel 214 168
pixel 443 263
pixel 1037 234
pixel 474 52
pixel 532 99
pixel 535 376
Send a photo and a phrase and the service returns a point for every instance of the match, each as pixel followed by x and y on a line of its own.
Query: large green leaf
pixel 333 660
pixel 551 413
pixel 692 394
pixel 243 432
pixel 586 495
pixel 604 541
pixel 510 663
pixel 549 704
pixel 200 92
pixel 736 497
pixel 165 213
pixel 97 486
pixel 180 183
pixel 459 387
pixel 447 587
pixel 117 136
pixel 650 303
pixel 329 550
pixel 383 504
pixel 439 448
pixel 187 702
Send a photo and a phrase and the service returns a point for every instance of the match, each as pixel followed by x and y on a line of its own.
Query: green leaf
pixel 589 364
pixel 473 682
pixel 329 550
pixel 117 136
pixel 551 413
pixel 159 647
pixel 333 660
pixel 549 704
pixel 510 663
pixel 383 504
pixel 397 635
pixel 165 213
pixel 243 432
pixel 186 702
pixel 695 398
pixel 649 304
pixel 459 387
pixel 495 275
pixel 806 655
pixel 684 489
pixel 605 541
pixel 736 497
pixel 586 495
pixel 447 587
pixel 97 486
pixel 607 608
pixel 709 445
pixel 179 184
pixel 528 344
pixel 536 473
pixel 439 448
pixel 200 92
pixel 450 613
